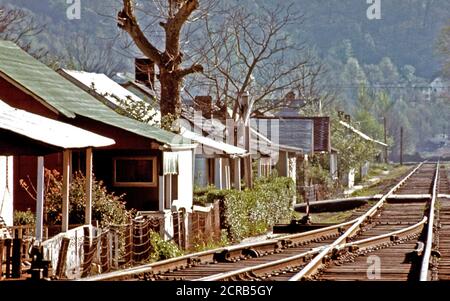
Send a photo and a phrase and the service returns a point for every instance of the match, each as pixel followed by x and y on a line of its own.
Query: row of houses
pixel 68 121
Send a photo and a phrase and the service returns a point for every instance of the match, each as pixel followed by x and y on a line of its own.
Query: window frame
pixel 152 184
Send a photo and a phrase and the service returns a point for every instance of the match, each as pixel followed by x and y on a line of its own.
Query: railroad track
pixel 288 257
pixel 392 222
pixel 441 266
pixel 403 252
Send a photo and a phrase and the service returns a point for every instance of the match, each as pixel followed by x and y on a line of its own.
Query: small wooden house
pixel 146 162
pixel 24 133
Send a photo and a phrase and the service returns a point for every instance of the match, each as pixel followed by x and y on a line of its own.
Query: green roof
pixel 69 100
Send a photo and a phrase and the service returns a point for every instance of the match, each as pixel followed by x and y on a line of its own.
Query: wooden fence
pixel 119 246
pixel 88 250
pixel 205 224
pixel 10 258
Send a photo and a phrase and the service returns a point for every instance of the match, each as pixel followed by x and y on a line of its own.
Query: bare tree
pixel 173 15
pixel 90 54
pixel 253 52
pixel 17 26
pixel 443 48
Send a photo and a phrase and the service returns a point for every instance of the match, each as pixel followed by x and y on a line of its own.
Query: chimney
pixel 145 72
pixel 204 105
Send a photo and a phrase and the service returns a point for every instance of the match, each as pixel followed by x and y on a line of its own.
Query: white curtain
pixel 170 163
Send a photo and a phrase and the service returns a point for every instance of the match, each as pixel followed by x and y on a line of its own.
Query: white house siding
pixel 185 180
pixel 6 189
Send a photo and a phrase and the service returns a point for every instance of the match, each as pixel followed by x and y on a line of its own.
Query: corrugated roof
pixel 51 88
pixel 213 144
pixel 110 90
pixel 107 87
pixel 361 134
pixel 47 130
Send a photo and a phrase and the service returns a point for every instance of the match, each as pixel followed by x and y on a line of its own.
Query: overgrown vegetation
pixel 253 212
pixel 24 218
pixel 200 245
pixel 163 249
pixel 107 208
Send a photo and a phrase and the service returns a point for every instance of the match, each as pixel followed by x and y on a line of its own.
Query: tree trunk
pixel 170 94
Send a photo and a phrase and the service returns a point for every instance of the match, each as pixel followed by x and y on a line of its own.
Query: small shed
pixel 24 133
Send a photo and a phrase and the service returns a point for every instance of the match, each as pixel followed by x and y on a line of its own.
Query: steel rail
pixel 430 227
pixel 225 253
pixel 318 261
pixel 299 259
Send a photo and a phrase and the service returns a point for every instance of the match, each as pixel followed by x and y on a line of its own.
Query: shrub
pixel 200 244
pixel 24 218
pixel 107 208
pixel 163 249
pixel 253 212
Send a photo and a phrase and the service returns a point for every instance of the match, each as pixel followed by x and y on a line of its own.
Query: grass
pixel 331 217
pixel 394 173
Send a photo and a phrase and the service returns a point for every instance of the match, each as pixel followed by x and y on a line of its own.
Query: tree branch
pixel 192 69
pixel 127 21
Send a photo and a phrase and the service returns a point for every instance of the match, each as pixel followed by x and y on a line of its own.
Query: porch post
pixel 88 212
pixel 237 173
pixel 40 199
pixel 218 179
pixel 65 191
pixel 162 193
pixel 226 173
pixel 283 164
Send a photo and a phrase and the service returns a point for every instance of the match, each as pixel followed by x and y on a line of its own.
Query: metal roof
pixel 361 134
pixel 213 144
pixel 55 91
pixel 109 89
pixel 106 87
pixel 47 130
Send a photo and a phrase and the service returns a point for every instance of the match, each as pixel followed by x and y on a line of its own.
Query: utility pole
pixel 385 141
pixel 401 146
pixel 245 117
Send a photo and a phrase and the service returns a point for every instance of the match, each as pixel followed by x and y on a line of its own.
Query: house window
pixel 135 172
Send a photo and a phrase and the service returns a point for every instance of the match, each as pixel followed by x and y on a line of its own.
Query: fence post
pixel 8 257
pixel 87 259
pixel 148 250
pixel 116 248
pixel 129 244
pixel 17 258
pixel 104 258
pixel 217 222
pixel 1 258
pixel 62 258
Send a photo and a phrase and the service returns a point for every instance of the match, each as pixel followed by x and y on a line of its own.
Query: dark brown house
pixel 144 162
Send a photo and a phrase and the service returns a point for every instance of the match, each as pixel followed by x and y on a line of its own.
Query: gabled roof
pixel 212 144
pixel 139 89
pixel 64 97
pixel 107 88
pixel 47 131
pixel 361 134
